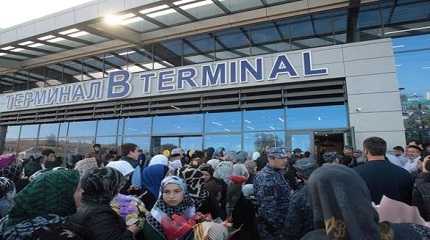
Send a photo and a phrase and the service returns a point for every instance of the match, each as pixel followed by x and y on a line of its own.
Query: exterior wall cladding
pixel 372 88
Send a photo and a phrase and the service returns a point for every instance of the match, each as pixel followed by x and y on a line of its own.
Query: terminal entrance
pixel 161 143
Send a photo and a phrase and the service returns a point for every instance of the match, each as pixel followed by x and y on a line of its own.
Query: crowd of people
pixel 217 194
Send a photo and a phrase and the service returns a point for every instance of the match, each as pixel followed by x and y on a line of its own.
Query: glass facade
pixel 241 130
pixel 413 68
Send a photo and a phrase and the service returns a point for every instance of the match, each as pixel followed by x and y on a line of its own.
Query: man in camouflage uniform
pixel 272 194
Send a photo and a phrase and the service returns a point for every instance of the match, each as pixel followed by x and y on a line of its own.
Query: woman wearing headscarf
pixel 99 187
pixel 195 181
pixel 7 195
pixel 150 180
pixel 170 217
pixel 42 203
pixel 343 210
pixel 14 172
pixel 217 190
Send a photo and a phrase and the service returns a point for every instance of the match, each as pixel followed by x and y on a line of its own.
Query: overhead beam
pixel 352 31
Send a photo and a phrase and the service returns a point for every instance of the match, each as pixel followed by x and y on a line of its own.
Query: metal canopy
pixel 124 46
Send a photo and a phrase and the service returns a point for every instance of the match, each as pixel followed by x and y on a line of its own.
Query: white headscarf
pixel 122 166
pixel 159 159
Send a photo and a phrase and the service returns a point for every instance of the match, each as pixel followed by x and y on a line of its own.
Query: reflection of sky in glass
pixel 223 122
pixel 170 141
pixel 316 117
pixel 12 132
pixel 142 142
pixel 301 141
pixel 194 143
pixel 87 128
pixel 63 129
pixel 413 64
pixel 29 131
pixel 263 139
pixel 192 123
pixel 264 120
pixel 47 130
pixel 106 140
pixel 229 142
pixel 107 127
pixel 137 126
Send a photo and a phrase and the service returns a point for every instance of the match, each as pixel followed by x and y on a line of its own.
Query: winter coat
pixel 103 223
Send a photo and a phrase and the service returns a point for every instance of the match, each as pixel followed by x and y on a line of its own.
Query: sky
pixel 14 12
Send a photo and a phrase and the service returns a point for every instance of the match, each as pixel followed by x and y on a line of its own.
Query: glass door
pixel 300 139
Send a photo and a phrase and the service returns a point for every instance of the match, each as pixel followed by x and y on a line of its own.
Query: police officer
pixel 272 195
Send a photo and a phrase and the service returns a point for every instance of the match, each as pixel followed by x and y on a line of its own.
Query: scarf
pixel 152 177
pixel 196 185
pixel 13 172
pixel 25 229
pixel 161 209
pixel 50 193
pixel 101 185
pixel 342 205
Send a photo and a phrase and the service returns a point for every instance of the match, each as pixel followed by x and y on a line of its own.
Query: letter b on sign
pixel 119 84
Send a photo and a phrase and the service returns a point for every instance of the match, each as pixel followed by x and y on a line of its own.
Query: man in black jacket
pixel 130 153
pixel 383 177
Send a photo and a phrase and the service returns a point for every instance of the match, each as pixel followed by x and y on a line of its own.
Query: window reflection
pixel 107 127
pixel 302 141
pixel 107 143
pixel 12 132
pixel 229 142
pixel 142 142
pixel 49 130
pixel 27 144
pixel 317 117
pixel 63 129
pixel 192 123
pixel 29 131
pixel 258 141
pixel 264 120
pixel 223 122
pixel 413 68
pixel 87 128
pixel 80 145
pixel 137 126
pixel 191 143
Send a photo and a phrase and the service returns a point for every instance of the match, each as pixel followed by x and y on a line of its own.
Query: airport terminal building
pixel 241 74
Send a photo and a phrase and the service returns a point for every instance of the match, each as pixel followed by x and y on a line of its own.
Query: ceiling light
pixel 25 43
pixel 150 10
pixel 3 54
pixel 174 107
pixel 197 4
pixel 58 39
pixel 37 45
pixel 8 48
pixel 408 30
pixel 79 34
pixel 67 32
pixel 117 19
pixel 126 53
pixel 112 19
pixel 46 37
pixel 162 13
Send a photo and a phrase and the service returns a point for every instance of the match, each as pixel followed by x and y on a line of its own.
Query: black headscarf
pixel 101 185
pixel 342 208
pixel 342 204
